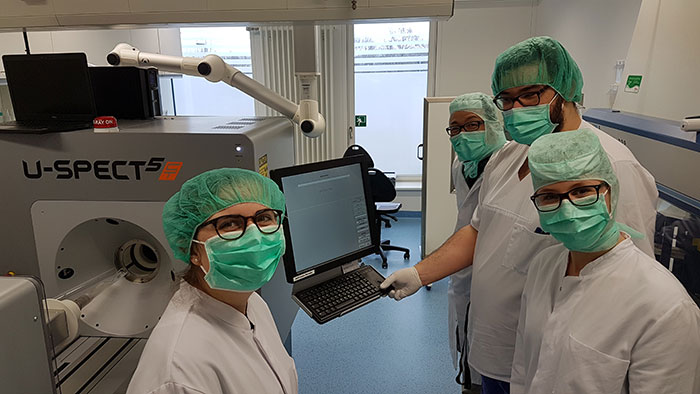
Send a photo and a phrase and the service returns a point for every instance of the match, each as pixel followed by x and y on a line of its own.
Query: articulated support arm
pixel 214 69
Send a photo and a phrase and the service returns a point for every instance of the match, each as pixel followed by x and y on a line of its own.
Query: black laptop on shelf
pixel 328 228
pixel 49 92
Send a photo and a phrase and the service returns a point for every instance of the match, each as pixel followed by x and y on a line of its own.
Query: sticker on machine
pixel 262 166
pixel 304 275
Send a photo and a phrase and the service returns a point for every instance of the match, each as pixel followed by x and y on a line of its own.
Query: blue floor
pixel 383 347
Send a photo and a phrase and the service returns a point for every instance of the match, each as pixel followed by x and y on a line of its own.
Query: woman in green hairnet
pixel 217 335
pixel 598 315
pixel 476 132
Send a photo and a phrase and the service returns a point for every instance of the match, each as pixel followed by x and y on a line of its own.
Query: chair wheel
pixel 385 265
pixel 428 287
pixel 406 256
pixel 388 225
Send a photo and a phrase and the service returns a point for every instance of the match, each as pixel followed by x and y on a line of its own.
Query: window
pixel 197 96
pixel 391 78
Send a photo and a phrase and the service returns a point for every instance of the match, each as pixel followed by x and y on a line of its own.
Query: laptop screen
pixel 329 212
pixel 50 86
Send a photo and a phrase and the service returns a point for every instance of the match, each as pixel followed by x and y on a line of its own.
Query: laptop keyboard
pixel 336 295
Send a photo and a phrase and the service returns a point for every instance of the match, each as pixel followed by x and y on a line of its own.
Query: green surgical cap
pixel 482 105
pixel 208 193
pixel 571 156
pixel 538 61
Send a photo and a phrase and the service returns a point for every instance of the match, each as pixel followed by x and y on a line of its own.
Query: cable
pixel 26 41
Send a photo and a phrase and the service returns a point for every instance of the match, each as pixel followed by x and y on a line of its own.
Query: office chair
pixel 383 193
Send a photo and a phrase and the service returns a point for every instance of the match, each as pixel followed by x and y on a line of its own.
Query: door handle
pixel 419 151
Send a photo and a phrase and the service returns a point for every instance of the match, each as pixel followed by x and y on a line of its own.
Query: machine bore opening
pixel 138 259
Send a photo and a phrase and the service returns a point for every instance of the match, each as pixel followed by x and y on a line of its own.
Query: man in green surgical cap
pixel 536 84
pixel 598 315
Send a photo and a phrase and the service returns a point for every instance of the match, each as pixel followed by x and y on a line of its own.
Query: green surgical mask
pixel 471 148
pixel 244 264
pixel 582 229
pixel 526 124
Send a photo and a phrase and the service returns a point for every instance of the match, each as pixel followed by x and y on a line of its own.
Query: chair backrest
pixel 383 189
pixel 357 150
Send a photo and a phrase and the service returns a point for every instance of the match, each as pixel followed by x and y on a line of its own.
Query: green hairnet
pixel 538 61
pixel 210 192
pixel 482 105
pixel 571 156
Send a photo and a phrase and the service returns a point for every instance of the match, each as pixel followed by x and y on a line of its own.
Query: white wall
pixel 409 199
pixel 469 42
pixel 665 51
pixel 95 43
pixel 596 33
pixel 467 47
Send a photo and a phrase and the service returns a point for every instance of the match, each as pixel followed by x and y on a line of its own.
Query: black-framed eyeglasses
pixel 469 126
pixel 268 221
pixel 527 99
pixel 580 196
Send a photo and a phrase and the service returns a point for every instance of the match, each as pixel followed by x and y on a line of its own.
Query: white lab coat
pixel 506 220
pixel 624 325
pixel 459 287
pixel 203 346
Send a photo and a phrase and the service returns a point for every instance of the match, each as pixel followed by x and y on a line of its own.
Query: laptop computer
pixel 328 228
pixel 49 92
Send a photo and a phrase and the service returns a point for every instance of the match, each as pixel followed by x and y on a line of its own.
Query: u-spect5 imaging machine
pixel 81 212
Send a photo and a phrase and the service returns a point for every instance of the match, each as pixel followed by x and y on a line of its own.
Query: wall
pixel 469 42
pixel 597 33
pixel 410 199
pixel 95 43
pixel 665 51
pixel 467 46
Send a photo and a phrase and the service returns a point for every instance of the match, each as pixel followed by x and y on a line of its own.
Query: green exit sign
pixel 633 84
pixel 360 120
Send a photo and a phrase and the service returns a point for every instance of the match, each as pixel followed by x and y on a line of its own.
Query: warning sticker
pixel 262 166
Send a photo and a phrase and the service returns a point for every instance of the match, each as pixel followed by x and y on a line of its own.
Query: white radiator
pixel 273 66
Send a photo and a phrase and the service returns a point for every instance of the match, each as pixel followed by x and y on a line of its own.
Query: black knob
pixel 204 68
pixel 113 59
pixel 307 126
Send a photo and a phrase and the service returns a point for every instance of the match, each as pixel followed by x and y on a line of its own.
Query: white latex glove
pixel 406 282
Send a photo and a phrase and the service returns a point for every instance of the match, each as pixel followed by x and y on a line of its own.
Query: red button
pixel 104 122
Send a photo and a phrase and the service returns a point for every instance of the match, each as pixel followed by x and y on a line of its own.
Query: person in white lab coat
pixel 476 131
pixel 598 315
pixel 537 84
pixel 217 335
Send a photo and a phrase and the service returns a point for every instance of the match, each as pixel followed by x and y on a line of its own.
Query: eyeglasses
pixel 469 126
pixel 527 99
pixel 579 196
pixel 268 221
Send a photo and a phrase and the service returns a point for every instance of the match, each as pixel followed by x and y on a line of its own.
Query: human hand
pixel 405 281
